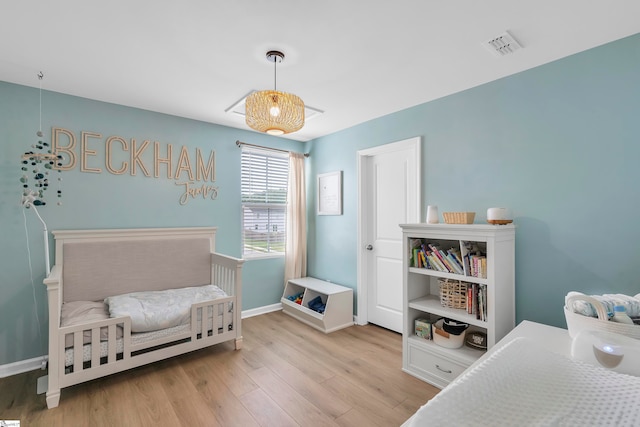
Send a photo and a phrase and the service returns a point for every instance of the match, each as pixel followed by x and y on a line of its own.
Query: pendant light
pixel 271 111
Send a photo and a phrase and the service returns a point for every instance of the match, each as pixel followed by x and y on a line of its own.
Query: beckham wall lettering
pixel 193 172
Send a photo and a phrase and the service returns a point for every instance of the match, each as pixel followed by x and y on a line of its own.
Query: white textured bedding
pixel 524 384
pixel 154 310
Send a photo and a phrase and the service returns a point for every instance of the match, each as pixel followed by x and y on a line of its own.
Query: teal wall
pixel 105 200
pixel 558 144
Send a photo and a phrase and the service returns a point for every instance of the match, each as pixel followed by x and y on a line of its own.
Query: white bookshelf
pixel 338 302
pixel 425 359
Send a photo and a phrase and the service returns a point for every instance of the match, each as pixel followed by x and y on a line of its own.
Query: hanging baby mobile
pixel 37 167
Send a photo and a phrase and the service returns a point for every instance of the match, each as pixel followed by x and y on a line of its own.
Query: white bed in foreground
pixel 529 379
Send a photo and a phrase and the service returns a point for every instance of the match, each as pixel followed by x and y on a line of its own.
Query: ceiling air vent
pixel 503 45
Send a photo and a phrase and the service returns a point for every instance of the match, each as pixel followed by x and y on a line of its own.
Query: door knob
pixel 369 248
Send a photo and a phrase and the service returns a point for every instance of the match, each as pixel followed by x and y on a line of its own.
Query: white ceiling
pixel 354 59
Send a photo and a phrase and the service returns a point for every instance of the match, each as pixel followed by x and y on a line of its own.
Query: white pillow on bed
pixel 83 312
pixel 153 310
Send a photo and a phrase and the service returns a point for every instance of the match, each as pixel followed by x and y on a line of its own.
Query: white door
pixel 389 195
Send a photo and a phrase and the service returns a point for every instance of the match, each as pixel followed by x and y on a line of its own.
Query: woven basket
pixel 453 293
pixel 577 322
pixel 459 217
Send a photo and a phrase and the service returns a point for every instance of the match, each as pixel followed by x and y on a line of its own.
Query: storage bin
pixel 445 339
pixel 577 322
pixel 453 293
pixel 459 217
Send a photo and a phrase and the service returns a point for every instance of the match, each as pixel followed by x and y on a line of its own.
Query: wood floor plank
pixel 357 418
pixel 294 404
pixel 286 374
pixel 265 410
pixel 228 409
pixel 236 380
pixel 368 348
pixel 298 380
pixel 410 405
pixel 119 403
pixel 190 407
pixel 311 340
pixel 312 363
pixel 193 413
pixel 151 398
pixel 76 404
pixel 367 402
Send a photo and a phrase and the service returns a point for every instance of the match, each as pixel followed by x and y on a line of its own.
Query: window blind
pixel 264 176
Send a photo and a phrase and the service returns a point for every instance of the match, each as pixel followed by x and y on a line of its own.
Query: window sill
pixel 253 257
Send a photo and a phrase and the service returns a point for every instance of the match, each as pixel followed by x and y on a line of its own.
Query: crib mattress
pixel 524 384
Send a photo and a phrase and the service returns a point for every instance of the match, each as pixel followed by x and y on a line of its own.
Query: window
pixel 264 201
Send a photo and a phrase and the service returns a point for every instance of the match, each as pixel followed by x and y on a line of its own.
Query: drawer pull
pixel 446 371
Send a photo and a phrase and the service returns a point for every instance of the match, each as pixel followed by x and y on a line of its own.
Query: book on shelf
pixel 467 260
pixel 414 247
pixel 454 263
pixel 477 301
pixel 478 265
pixel 474 260
pixel 423 259
pixel 435 250
pixel 435 261
pixel 465 248
pixel 456 253
pixel 445 259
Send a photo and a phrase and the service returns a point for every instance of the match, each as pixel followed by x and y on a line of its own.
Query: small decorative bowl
pixel 477 340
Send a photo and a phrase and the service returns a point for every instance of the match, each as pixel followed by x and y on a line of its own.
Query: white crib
pixel 91 265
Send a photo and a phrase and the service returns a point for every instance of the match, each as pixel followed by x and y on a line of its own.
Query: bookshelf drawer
pixel 441 370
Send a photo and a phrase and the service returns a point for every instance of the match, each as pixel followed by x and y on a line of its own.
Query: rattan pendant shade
pixel 274 112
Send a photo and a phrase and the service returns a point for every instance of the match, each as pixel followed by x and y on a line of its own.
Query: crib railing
pixel 212 319
pixel 95 342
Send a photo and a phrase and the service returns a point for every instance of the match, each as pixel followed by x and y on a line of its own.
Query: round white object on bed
pixel 609 350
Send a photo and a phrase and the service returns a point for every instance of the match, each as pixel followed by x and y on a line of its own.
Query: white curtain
pixel 295 264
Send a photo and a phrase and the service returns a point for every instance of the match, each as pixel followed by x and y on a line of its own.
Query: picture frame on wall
pixel 329 193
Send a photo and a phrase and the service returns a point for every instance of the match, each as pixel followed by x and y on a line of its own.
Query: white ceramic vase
pixel 432 214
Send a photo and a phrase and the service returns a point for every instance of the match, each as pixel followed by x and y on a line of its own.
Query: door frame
pixel 364 220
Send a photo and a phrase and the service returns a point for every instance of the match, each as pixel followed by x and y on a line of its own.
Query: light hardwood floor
pixel 287 374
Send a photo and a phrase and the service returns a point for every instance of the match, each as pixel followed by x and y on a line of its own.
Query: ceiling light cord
pixel 33 285
pixel 275 75
pixel 40 76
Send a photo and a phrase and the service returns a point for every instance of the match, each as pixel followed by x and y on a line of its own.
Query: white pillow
pixel 85 312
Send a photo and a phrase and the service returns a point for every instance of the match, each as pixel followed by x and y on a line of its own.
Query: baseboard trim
pixel 36 363
pixel 21 366
pixel 261 310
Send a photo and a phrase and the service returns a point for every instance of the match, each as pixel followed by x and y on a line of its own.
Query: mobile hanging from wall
pixel 37 166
